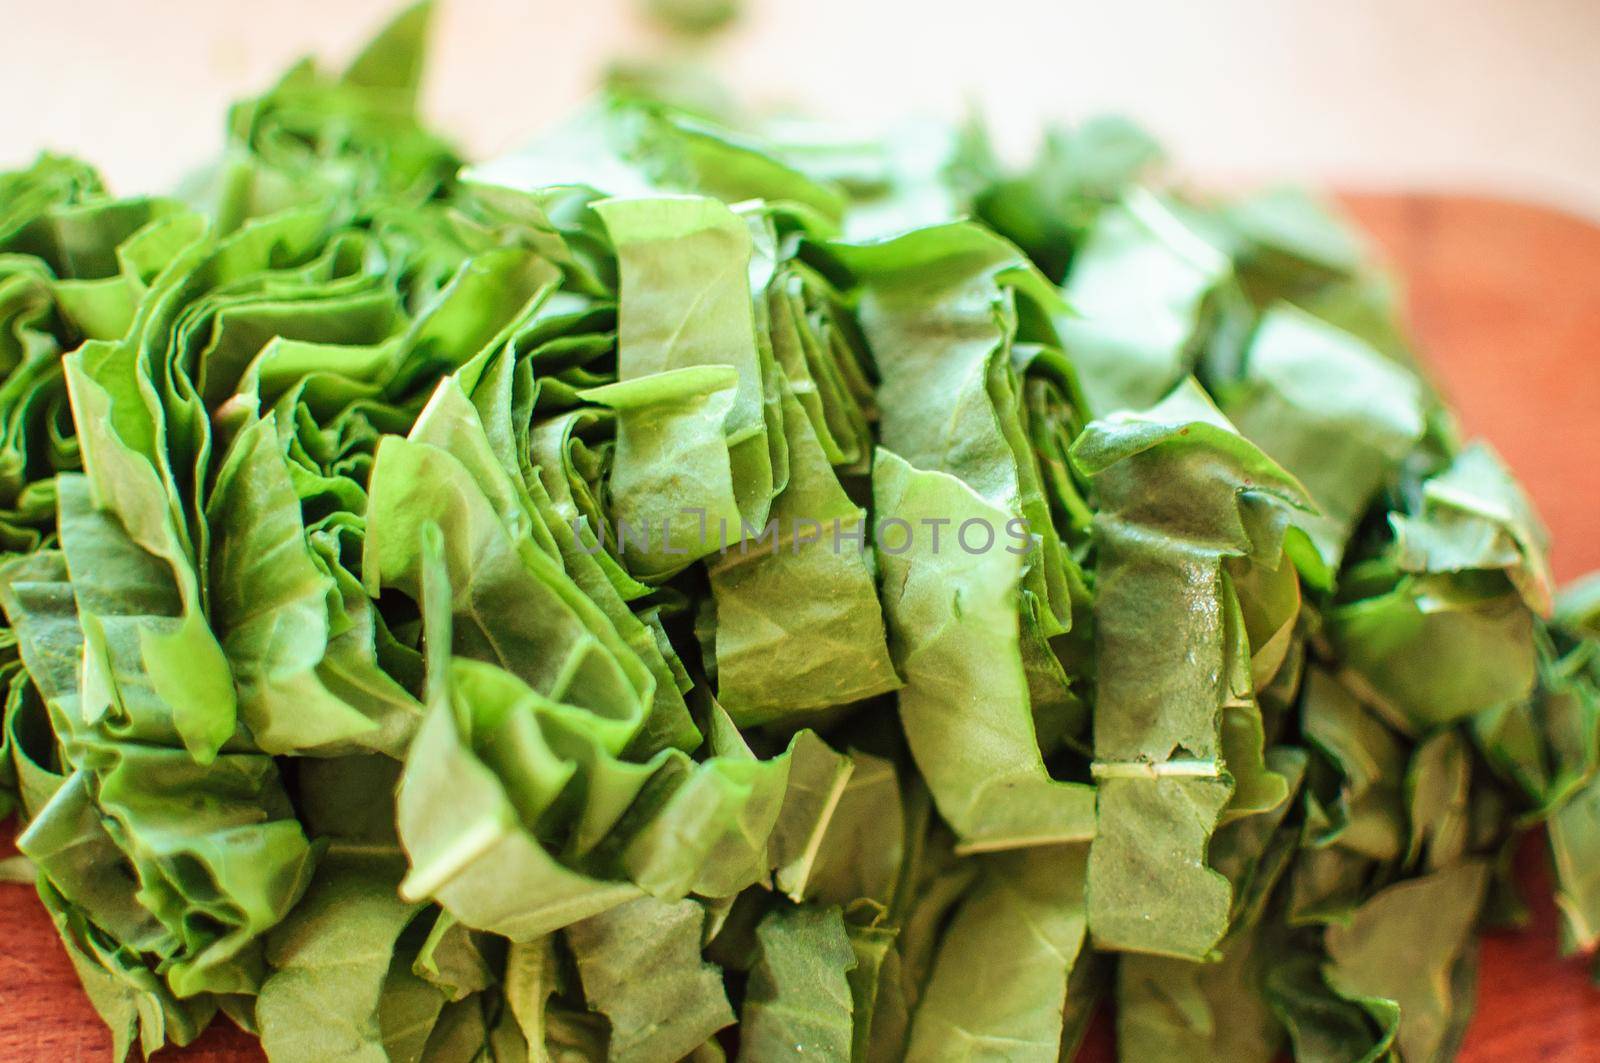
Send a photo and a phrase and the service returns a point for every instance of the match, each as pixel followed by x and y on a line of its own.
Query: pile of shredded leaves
pixel 532 611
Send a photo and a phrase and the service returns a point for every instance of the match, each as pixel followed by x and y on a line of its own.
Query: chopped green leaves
pixel 692 590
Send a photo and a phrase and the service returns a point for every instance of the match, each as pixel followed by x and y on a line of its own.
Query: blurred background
pixel 1496 97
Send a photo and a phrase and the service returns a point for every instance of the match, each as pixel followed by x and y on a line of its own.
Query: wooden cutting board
pixel 1505 300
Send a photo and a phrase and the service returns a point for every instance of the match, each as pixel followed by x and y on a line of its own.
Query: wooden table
pixel 1505 299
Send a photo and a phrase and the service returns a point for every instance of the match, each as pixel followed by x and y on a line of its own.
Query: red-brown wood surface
pixel 1505 300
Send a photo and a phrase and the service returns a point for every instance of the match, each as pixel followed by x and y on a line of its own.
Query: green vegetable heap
pixel 344 695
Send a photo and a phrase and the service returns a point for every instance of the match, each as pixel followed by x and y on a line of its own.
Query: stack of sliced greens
pixel 689 589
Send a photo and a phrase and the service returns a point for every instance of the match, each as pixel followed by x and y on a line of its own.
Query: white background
pixel 1496 96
